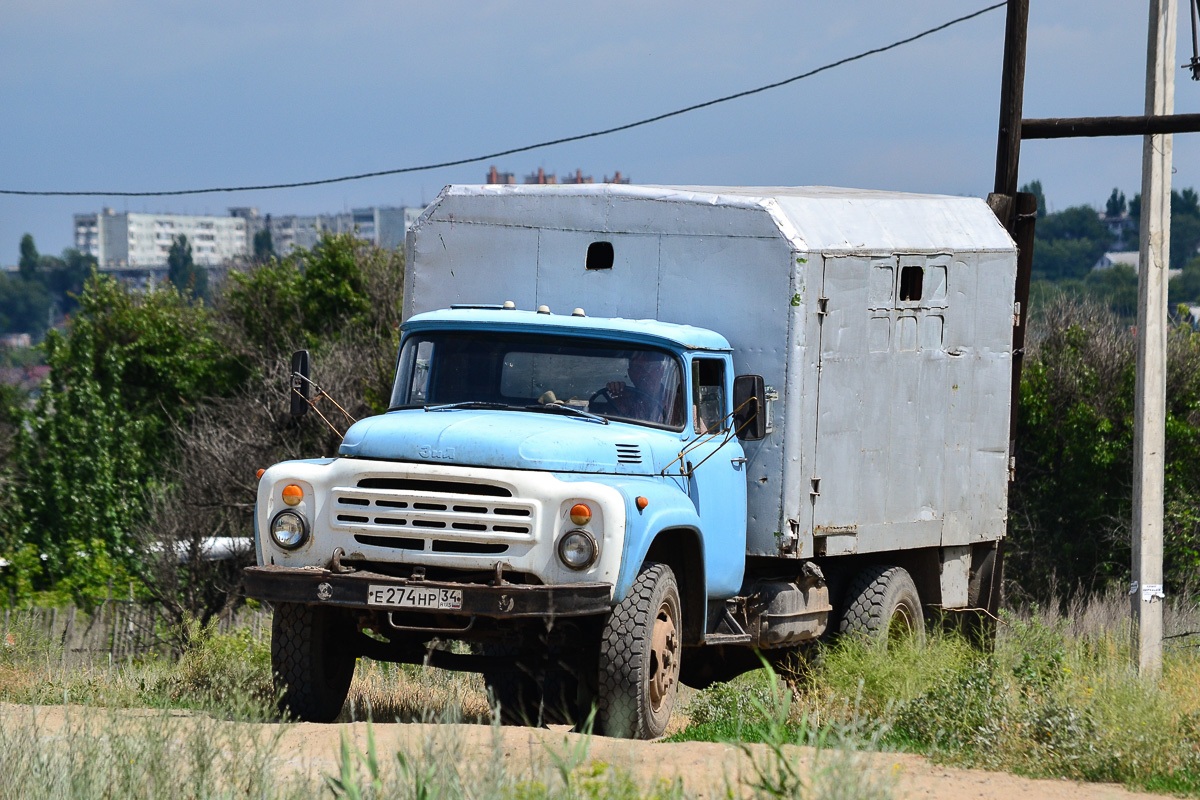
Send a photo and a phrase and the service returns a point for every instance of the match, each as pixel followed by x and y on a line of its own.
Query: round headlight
pixel 577 549
pixel 289 530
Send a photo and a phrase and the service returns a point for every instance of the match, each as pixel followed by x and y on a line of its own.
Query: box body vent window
pixel 910 284
pixel 600 255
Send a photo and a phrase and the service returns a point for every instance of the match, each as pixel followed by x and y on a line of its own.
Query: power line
pixel 526 148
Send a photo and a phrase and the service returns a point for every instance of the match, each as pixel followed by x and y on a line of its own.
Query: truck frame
pixel 826 448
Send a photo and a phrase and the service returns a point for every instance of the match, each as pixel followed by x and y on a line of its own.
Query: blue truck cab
pixel 784 414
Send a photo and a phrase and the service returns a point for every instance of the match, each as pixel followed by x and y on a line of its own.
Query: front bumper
pixel 319 586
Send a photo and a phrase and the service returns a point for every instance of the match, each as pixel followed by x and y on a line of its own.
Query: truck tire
pixel 640 646
pixel 983 601
pixel 310 660
pixel 882 604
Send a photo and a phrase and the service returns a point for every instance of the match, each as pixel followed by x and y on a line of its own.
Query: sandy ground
pixel 705 768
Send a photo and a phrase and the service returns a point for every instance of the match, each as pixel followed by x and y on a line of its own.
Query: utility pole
pixel 1156 128
pixel 1149 433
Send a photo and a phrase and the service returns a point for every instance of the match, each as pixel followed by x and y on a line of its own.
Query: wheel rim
pixel 902 624
pixel 664 656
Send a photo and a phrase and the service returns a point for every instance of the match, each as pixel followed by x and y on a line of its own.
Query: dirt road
pixel 705 769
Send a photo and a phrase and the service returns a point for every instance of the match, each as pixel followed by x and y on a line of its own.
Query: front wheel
pixel 640 648
pixel 310 660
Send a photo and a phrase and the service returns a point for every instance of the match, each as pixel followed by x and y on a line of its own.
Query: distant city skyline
pixel 149 96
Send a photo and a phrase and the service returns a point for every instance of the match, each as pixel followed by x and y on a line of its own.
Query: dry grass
pixel 400 693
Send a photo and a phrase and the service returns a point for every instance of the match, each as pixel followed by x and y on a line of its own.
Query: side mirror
pixel 749 403
pixel 300 388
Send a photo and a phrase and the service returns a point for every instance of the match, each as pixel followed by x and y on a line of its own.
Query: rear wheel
pixel 882 603
pixel 983 600
pixel 311 661
pixel 640 650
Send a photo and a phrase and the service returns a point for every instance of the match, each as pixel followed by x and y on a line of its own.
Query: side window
pixel 420 374
pixel 708 394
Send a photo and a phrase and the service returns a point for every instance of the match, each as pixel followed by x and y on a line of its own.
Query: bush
pixel 1070 507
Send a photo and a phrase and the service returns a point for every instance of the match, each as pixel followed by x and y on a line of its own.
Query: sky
pixel 148 95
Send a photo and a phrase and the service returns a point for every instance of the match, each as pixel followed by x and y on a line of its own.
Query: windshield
pixel 617 380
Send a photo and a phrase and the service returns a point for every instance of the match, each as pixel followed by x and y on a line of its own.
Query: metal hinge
pixel 822 306
pixel 1017 314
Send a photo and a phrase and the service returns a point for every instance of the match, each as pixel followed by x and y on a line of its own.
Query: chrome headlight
pixel 289 530
pixel 577 549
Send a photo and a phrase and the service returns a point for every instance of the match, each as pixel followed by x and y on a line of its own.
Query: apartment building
pixel 134 240
pixel 383 226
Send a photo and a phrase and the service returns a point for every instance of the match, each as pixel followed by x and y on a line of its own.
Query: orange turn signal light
pixel 259 474
pixel 581 514
pixel 641 503
pixel 292 494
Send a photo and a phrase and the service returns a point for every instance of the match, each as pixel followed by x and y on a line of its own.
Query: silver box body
pixel 891 427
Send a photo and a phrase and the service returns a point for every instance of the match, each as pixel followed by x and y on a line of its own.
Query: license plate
pixel 414 597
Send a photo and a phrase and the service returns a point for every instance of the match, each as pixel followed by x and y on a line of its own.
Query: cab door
pixel 717 465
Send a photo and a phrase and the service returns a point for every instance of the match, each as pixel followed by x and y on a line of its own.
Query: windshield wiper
pixel 467 404
pixel 558 408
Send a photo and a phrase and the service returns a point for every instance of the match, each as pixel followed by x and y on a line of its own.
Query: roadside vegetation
pixel 1058 698
pixel 191 727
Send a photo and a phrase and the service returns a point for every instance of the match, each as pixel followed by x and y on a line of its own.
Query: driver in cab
pixel 653 390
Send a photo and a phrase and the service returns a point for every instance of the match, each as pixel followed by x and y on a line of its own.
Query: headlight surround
pixel 577 549
pixel 289 529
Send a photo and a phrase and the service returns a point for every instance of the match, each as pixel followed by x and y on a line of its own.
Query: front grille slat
pixel 450 516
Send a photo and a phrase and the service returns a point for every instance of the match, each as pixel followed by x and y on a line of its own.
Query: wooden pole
pixel 1149 436
pixel 1012 94
pixel 1073 127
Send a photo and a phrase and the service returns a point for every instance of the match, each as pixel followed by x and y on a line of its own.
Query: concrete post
pixel 1149 440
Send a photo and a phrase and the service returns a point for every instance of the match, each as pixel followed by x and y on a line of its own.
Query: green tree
pixel 189 279
pixel 1185 288
pixel 1070 506
pixel 306 298
pixel 130 370
pixel 1185 224
pixel 24 306
pixel 65 279
pixel 1115 287
pixel 264 245
pixel 1116 205
pixel 1068 243
pixel 1035 188
pixel 28 265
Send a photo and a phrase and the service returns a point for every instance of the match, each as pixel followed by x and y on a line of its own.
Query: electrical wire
pixel 525 148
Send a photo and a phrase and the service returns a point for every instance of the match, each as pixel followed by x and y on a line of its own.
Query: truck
pixel 644 435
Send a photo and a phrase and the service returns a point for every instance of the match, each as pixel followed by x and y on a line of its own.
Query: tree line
pixel 1069 243
pixel 160 406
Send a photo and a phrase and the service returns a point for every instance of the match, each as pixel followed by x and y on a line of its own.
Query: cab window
pixel 708 394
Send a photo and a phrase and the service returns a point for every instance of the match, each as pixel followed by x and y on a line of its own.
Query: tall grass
pixel 192 728
pixel 1059 697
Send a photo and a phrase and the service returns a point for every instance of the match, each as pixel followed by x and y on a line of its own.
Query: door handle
pixel 738 461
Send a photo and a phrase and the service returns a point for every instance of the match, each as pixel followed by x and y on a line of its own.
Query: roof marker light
pixel 578 313
pixel 543 309
pixel 509 305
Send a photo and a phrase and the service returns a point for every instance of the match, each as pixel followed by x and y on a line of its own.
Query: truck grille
pixel 433 515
